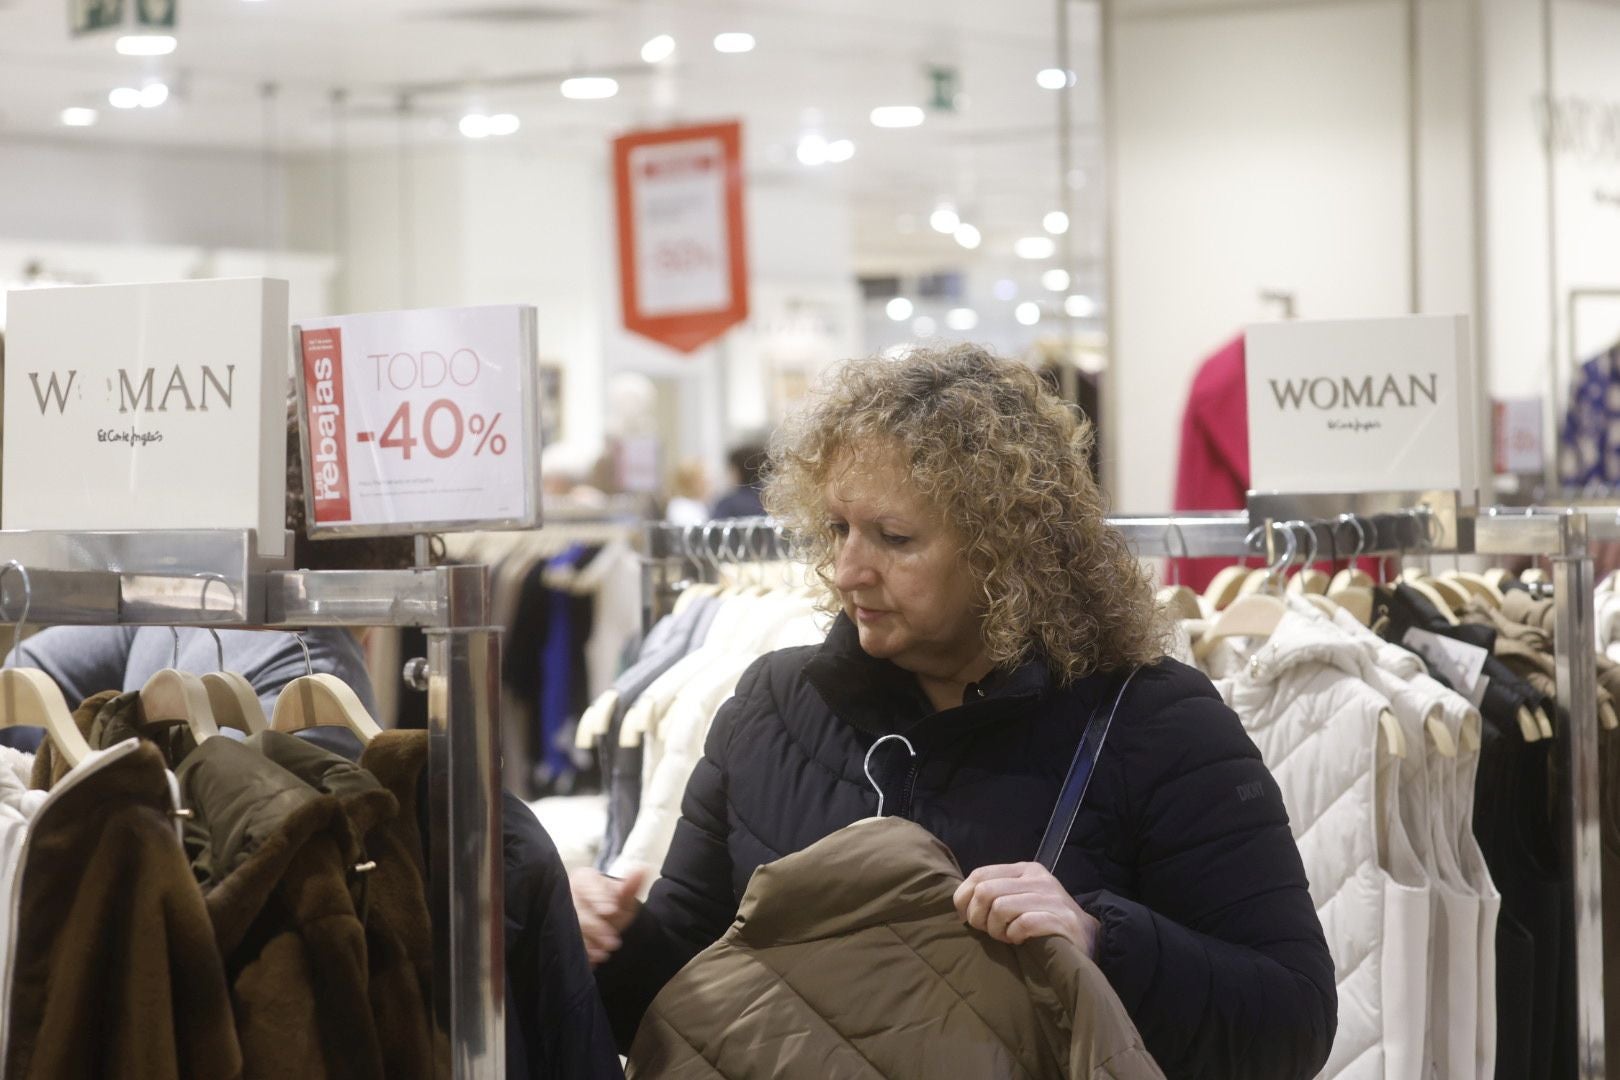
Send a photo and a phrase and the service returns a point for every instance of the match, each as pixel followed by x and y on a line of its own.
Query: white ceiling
pixel 819 65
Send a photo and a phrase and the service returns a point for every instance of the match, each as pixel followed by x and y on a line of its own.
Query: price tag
pixel 417 421
pixel 1460 663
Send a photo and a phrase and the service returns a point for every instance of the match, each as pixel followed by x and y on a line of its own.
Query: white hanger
pixel 866 765
pixel 321 700
pixel 172 694
pixel 31 698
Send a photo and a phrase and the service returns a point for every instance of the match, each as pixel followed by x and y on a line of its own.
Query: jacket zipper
pixel 908 791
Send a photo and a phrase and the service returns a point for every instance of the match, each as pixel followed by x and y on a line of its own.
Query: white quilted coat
pixel 1305 702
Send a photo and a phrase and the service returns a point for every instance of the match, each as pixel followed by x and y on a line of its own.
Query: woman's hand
pixel 604 906
pixel 1022 901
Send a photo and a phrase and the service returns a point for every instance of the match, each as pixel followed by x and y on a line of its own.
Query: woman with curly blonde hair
pixel 984 609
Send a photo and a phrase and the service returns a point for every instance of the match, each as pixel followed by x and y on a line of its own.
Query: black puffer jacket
pixel 1182 850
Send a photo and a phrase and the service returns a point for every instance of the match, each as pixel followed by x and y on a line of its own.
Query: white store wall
pixel 530 223
pixel 1275 157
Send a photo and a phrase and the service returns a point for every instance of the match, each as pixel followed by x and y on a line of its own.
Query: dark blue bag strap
pixel 1075 784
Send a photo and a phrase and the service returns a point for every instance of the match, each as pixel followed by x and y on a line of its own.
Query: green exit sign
pixel 88 16
pixel 151 16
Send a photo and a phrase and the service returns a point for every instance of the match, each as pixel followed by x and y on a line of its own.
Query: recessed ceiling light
pixel 1056 223
pixel 145 45
pixel 1055 279
pixel 944 219
pixel 125 97
pixel 1028 313
pixel 1034 247
pixel 840 150
pixel 590 87
pixel 897 116
pixel 78 117
pixel 734 42
pixel 658 49
pixel 154 94
pixel 967 235
pixel 504 124
pixel 898 309
pixel 961 318
pixel 1054 79
pixel 474 126
pixel 1080 306
pixel 812 150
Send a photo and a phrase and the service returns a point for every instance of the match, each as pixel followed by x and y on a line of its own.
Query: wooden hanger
pixel 31 698
pixel 172 694
pixel 1223 589
pixel 1394 737
pixel 1255 613
pixel 231 696
pixel 321 700
pixel 1477 585
pixel 1439 734
pixel 1180 601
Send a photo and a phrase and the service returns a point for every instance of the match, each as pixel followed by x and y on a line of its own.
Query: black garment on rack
pixel 556 1026
pixel 1516 826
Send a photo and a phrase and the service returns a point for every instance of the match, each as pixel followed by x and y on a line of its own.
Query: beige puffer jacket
pixel 848 960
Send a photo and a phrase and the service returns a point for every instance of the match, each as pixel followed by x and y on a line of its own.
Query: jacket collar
pixel 877 871
pixel 880 698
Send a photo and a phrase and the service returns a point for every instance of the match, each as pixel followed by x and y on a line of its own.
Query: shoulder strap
pixel 1075 784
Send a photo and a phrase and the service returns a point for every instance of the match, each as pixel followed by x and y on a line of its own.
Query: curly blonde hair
pixel 1005 461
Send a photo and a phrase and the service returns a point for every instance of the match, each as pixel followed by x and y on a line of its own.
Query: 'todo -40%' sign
pixel 419 420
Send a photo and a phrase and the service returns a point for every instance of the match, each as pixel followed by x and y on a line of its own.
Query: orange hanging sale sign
pixel 683 264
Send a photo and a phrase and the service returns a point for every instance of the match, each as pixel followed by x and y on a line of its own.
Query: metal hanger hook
pixel 174 661
pixel 866 766
pixel 1186 552
pixel 1310 533
pixel 28 598
pixel 309 665
pixel 1290 550
pixel 1354 522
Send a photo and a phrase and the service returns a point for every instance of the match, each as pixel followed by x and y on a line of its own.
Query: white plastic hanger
pixel 31 698
pixel 321 700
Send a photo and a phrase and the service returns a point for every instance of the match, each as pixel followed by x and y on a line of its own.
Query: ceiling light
pixel 590 88
pixel 840 150
pixel 504 124
pixel 1034 247
pixel 1056 223
pixel 898 309
pixel 944 219
pixel 125 97
pixel 967 235
pixel 474 126
pixel 922 326
pixel 1054 79
pixel 812 150
pixel 961 318
pixel 145 45
pixel 658 49
pixel 1055 279
pixel 1079 306
pixel 78 117
pixel 734 43
pixel 1028 313
pixel 897 116
pixel 153 94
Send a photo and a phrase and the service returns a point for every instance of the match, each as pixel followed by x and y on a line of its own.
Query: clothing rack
pixel 216 578
pixel 676 556
pixel 1346 526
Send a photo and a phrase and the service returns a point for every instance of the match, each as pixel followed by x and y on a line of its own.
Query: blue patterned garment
pixel 1589 442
